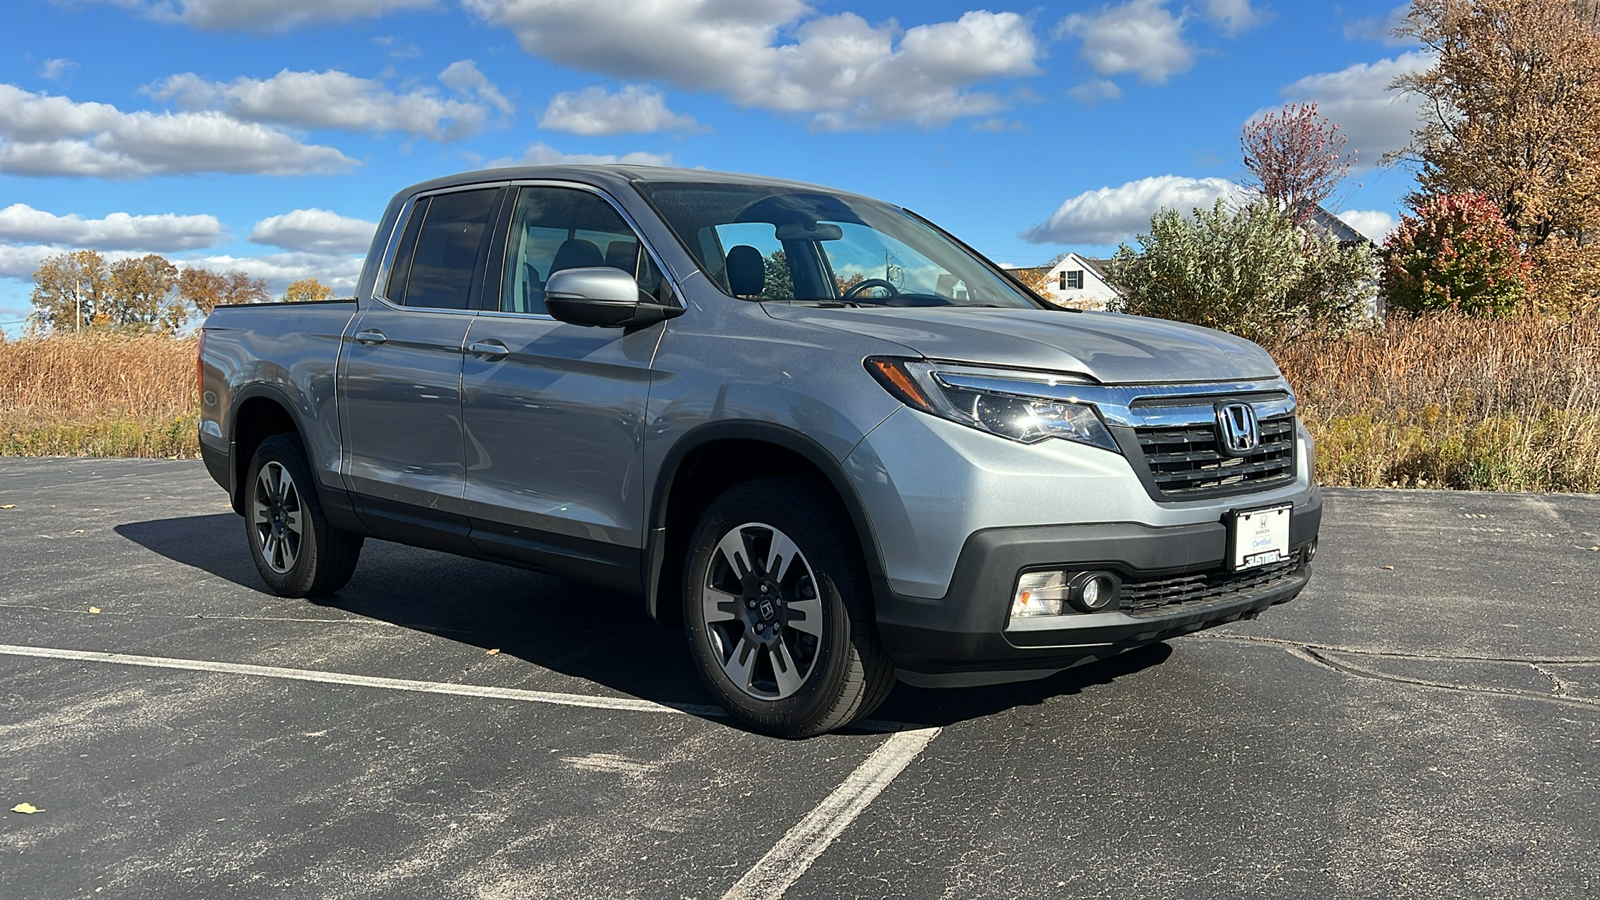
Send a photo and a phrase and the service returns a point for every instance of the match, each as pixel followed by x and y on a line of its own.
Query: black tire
pixel 746 596
pixel 295 549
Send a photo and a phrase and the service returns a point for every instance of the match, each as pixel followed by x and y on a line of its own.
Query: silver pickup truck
pixel 827 439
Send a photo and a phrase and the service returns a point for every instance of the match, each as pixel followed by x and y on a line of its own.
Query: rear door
pixel 400 368
pixel 554 414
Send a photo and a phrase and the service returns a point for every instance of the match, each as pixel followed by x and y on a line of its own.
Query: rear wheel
pixel 778 612
pixel 295 549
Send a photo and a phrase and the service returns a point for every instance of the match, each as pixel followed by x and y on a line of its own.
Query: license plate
pixel 1259 537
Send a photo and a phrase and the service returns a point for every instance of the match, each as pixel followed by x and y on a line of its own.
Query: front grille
pixel 1184 461
pixel 1160 596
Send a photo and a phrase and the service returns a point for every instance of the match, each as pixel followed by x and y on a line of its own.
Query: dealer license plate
pixel 1260 537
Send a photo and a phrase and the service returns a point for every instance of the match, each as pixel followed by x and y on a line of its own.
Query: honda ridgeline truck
pixel 826 438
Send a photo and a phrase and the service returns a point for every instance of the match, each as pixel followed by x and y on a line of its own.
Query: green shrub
pixel 1252 272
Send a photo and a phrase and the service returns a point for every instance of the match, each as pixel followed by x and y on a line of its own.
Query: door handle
pixel 370 336
pixel 489 349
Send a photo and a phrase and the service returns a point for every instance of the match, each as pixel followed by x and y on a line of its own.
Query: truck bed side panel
pixel 287 352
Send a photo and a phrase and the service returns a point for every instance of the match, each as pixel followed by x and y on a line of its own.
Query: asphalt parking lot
pixel 1423 721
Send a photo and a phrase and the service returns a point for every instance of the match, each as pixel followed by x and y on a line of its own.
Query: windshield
pixel 768 242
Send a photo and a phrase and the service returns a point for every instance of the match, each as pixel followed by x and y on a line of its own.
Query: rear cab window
pixel 440 249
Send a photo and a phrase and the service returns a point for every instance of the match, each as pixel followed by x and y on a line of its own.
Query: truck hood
pixel 1110 348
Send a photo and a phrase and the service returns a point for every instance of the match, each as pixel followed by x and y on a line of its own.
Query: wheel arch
pixel 713 458
pixel 259 412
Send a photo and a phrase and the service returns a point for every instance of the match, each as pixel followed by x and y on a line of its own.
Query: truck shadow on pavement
pixel 567 627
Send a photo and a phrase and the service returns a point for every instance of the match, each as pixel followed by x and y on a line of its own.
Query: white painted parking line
pixel 625 704
pixel 628 704
pixel 783 865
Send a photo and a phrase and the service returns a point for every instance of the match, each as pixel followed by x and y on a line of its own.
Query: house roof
pixel 1098 266
pixel 1323 222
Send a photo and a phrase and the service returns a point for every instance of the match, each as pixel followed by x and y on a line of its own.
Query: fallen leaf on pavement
pixel 492 652
pixel 26 808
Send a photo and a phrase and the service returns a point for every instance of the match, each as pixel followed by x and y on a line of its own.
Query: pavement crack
pixel 1563 688
pixel 1344 667
pixel 1400 654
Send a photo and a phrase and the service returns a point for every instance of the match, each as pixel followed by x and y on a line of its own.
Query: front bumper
pixel 962 638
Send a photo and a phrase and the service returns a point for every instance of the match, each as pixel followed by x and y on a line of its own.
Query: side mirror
pixel 603 297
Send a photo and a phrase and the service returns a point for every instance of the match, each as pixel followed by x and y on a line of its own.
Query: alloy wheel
pixel 761 610
pixel 277 516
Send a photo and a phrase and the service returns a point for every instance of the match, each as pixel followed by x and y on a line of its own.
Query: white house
pixel 1079 282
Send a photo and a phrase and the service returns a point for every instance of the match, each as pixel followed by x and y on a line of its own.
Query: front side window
pixel 771 242
pixel 555 228
pixel 439 251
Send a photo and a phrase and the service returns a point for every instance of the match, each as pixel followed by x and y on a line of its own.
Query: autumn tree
pixel 1037 278
pixel 69 291
pixel 1513 113
pixel 1252 271
pixel 1455 253
pixel 141 294
pixel 307 289
pixel 206 290
pixel 1296 158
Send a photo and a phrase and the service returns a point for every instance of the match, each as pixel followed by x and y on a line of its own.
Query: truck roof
pixel 612 175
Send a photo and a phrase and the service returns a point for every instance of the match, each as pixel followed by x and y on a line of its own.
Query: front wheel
pixel 778 611
pixel 295 549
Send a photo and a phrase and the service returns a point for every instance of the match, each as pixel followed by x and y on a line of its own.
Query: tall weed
pixel 1441 401
pixel 98 394
pixel 1451 401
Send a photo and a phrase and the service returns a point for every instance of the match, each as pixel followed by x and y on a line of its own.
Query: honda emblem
pixel 1238 429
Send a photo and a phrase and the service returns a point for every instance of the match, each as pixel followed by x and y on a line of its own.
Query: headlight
pixel 997 403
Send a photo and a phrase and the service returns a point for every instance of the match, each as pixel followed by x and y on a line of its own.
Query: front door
pixel 554 414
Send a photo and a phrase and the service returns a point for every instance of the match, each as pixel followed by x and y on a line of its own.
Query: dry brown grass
pixel 1454 402
pixel 1446 402
pixel 98 395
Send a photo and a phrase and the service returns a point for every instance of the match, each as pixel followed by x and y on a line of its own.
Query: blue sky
pixel 267 135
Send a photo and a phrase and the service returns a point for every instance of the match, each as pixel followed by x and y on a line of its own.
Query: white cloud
pixel 56 69
pixel 279 269
pixel 1140 36
pixel 265 15
pixel 843 71
pixel 1235 16
pixel 32 117
pixel 1112 215
pixel 163 233
pixel 315 231
pixel 1095 90
pixel 542 154
pixel 21 262
pixel 1375 119
pixel 1374 223
pixel 635 109
pixel 398 49
pixel 463 76
pixel 45 135
pixel 335 99
pixel 1381 28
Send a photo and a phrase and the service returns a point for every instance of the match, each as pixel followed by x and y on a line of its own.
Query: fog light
pixel 1093 591
pixel 1040 594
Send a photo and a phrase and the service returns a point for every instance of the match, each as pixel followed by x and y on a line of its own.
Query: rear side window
pixel 440 250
